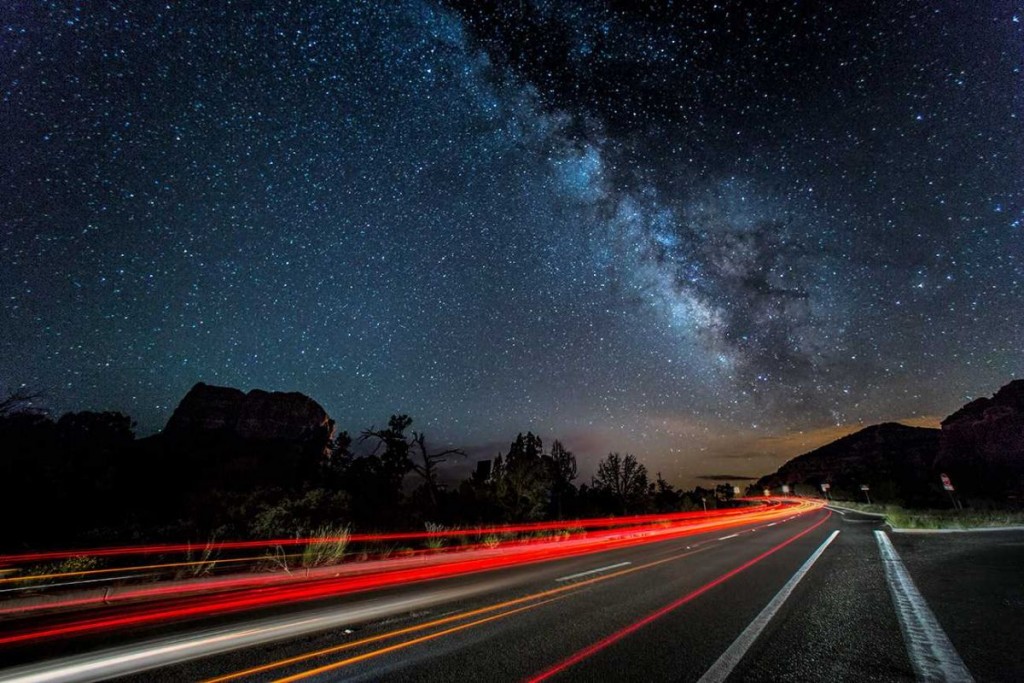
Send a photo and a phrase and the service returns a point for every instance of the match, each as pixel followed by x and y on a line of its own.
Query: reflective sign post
pixel 948 485
pixel 865 488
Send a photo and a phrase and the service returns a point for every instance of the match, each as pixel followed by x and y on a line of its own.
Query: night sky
pixel 708 233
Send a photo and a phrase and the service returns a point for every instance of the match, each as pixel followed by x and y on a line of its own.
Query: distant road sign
pixel 785 488
pixel 946 483
pixel 865 487
pixel 736 490
pixel 826 487
pixel 767 492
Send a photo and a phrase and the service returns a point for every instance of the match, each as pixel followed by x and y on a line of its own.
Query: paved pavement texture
pixel 814 597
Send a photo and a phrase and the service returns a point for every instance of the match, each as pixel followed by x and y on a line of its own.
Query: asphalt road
pixel 794 600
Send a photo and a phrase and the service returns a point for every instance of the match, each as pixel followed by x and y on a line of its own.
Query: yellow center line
pixel 440 622
pixel 553 593
pixel 409 643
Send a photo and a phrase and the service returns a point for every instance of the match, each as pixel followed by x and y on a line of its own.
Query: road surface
pixel 820 596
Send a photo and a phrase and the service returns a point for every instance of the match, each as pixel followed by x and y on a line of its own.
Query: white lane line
pixel 726 538
pixel 593 571
pixel 724 665
pixel 981 529
pixel 841 510
pixel 773 524
pixel 932 654
pixel 104 665
pixel 75 583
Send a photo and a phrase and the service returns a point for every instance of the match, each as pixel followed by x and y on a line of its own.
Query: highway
pixel 811 594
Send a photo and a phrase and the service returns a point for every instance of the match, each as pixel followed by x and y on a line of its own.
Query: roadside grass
pixel 54 572
pixel 436 542
pixel 201 562
pixel 901 518
pixel 326 547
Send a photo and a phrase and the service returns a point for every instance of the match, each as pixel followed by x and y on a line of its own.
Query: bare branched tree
pixel 427 467
pixel 20 401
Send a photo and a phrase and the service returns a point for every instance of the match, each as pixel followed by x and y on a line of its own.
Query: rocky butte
pixel 982 445
pixel 223 440
pixel 891 458
pixel 208 410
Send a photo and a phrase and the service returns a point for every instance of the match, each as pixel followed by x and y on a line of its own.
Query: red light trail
pixel 619 635
pixel 172 548
pixel 255 592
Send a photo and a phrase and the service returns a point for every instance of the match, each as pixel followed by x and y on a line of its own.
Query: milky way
pixel 649 230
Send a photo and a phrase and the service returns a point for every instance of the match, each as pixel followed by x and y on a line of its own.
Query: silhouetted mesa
pixel 980 446
pixel 208 410
pixel 892 458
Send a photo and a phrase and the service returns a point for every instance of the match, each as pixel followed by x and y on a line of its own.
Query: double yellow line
pixel 518 605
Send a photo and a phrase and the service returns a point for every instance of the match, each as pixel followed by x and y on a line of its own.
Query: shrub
pixel 201 564
pixel 327 546
pixel 435 542
pixel 72 566
pixel 76 564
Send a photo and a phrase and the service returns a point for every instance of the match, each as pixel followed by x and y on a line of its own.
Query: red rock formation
pixel 982 444
pixel 206 409
pixel 259 415
pixel 892 458
pixel 287 416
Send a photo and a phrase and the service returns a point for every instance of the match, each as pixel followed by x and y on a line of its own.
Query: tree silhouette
pixel 522 478
pixel 427 467
pixel 724 492
pixel 392 448
pixel 624 480
pixel 20 401
pixel 666 497
pixel 563 473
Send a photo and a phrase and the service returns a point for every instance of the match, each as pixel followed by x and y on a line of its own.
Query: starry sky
pixel 713 234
